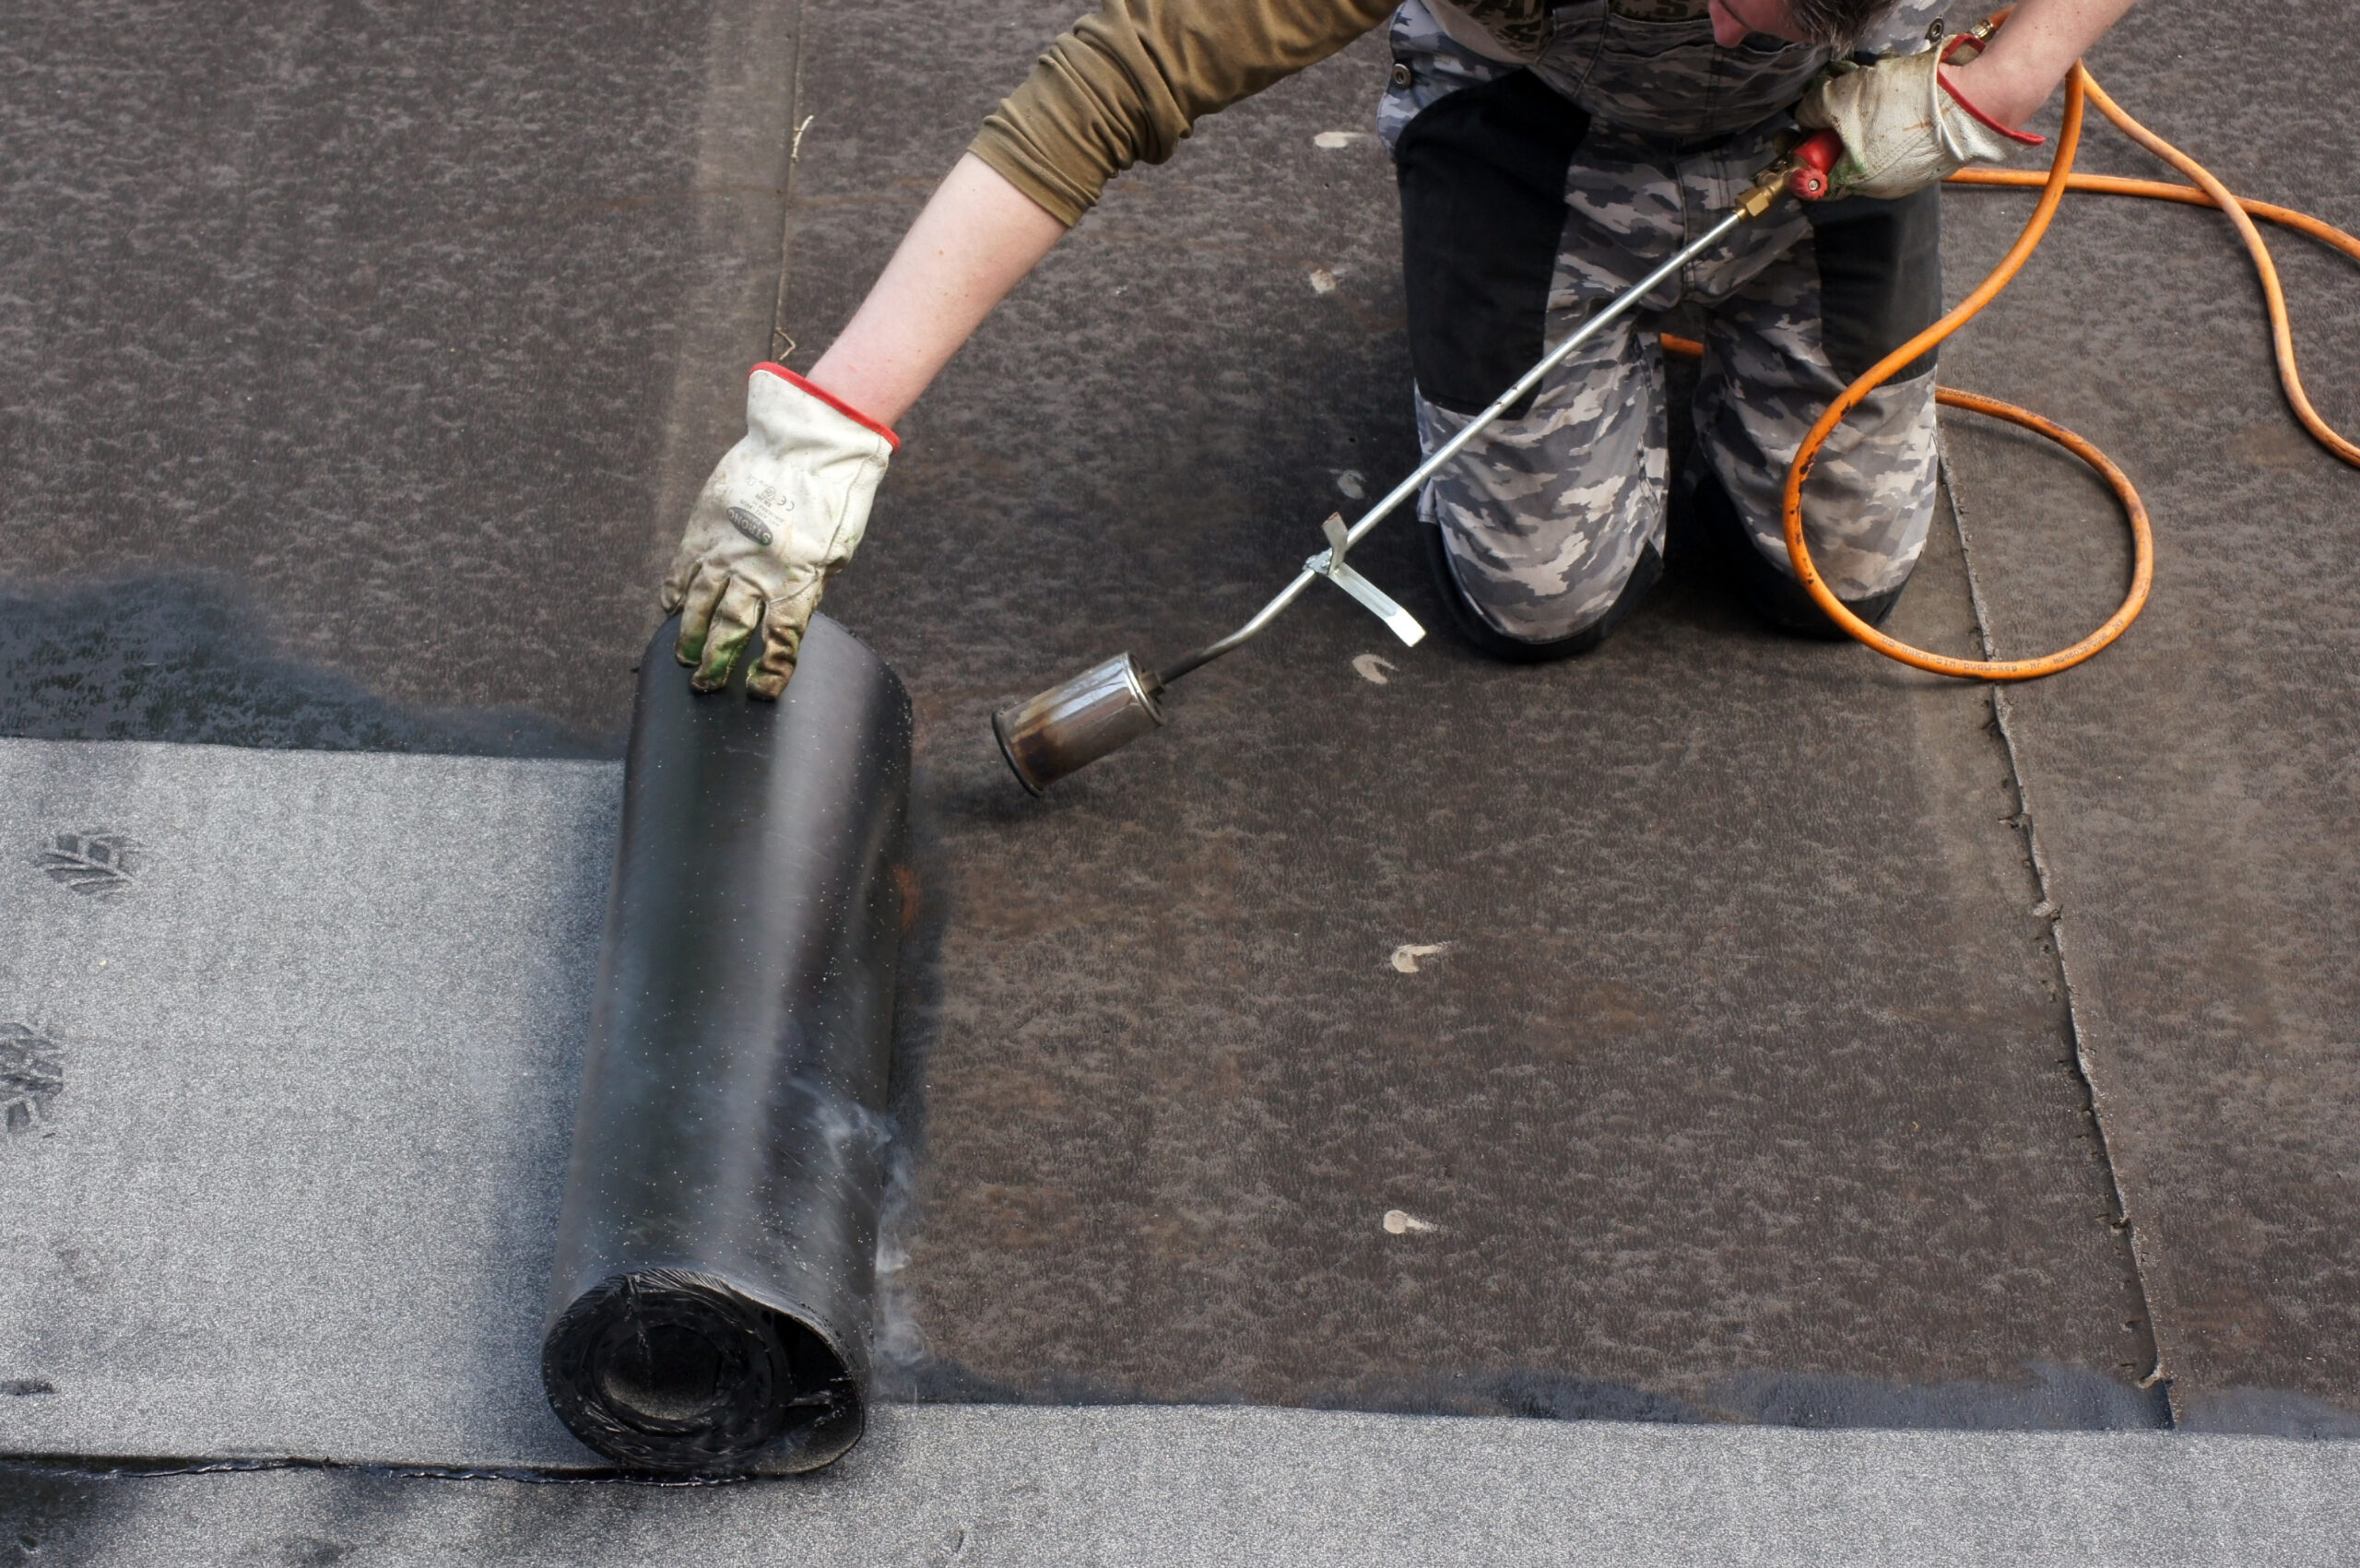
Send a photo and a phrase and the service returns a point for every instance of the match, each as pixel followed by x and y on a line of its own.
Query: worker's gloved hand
pixel 780 516
pixel 1905 126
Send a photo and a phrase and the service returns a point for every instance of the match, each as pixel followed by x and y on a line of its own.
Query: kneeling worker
pixel 1548 158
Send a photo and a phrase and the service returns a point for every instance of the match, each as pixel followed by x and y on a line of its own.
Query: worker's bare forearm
pixel 977 238
pixel 2016 75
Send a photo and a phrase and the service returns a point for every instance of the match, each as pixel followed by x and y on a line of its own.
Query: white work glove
pixel 1904 127
pixel 780 516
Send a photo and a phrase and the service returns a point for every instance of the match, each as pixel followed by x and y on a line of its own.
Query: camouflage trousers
pixel 1521 215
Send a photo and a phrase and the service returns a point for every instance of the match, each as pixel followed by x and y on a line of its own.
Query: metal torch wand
pixel 1112 704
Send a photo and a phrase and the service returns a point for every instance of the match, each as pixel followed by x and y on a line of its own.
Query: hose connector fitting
pixel 1805 174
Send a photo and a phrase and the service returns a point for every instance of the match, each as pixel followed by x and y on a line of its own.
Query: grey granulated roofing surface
pixel 317 1031
pixel 1201 1489
pixel 1702 999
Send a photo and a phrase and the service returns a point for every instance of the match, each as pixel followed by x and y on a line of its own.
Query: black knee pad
pixel 1880 278
pixel 1489 640
pixel 1774 596
pixel 1482 178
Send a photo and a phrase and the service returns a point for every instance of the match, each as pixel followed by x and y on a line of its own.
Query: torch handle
pixel 1813 159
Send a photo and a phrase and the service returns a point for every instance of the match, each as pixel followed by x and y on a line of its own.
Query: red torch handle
pixel 1813 159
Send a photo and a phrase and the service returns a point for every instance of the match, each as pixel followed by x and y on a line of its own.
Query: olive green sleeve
pixel 1128 82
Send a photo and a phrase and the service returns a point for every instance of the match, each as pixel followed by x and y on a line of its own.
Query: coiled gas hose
pixel 2206 190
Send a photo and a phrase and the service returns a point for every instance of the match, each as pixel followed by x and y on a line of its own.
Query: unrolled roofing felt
pixel 985 1487
pixel 305 1032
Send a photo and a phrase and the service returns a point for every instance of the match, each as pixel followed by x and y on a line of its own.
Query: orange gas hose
pixel 2060 177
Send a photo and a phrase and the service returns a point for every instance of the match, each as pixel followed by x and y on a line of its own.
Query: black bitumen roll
pixel 717 1254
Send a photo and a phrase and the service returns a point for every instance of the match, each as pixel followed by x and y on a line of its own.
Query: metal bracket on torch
pixel 1329 563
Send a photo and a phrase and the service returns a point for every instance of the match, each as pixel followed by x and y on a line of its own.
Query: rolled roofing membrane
pixel 716 1258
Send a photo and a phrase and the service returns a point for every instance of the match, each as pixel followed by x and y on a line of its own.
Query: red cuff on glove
pixel 832 401
pixel 2024 138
